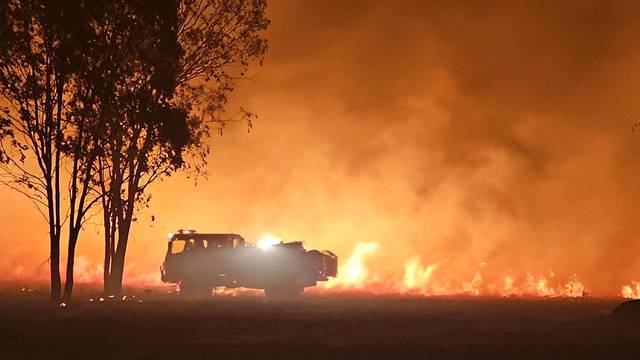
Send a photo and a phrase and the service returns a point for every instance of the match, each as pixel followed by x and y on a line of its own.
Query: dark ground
pixel 164 327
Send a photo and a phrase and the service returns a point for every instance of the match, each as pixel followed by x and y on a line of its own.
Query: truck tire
pixel 194 290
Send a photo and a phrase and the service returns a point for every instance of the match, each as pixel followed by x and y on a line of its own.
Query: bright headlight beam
pixel 267 241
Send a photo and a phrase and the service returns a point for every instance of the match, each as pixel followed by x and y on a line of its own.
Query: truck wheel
pixel 283 292
pixel 193 290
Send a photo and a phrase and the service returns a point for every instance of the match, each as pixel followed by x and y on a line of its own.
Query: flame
pixel 631 291
pixel 357 276
pixel 417 277
pixel 574 288
pixel 234 292
pixel 508 288
pixel 473 287
pixel 354 270
pixel 354 274
pixel 432 280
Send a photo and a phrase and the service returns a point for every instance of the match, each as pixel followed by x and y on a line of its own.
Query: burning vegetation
pixel 357 275
pixel 429 279
pixel 631 291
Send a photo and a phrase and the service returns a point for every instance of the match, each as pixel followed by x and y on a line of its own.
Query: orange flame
pixel 631 291
pixel 427 280
pixel 354 274
pixel 416 277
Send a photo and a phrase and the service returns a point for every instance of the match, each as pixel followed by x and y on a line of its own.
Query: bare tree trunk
pixel 106 268
pixel 71 255
pixel 125 217
pixel 110 256
pixel 58 141
pixel 117 274
pixel 54 262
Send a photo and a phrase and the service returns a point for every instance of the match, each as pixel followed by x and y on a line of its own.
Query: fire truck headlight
pixel 267 241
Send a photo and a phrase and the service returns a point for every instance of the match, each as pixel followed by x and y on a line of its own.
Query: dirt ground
pixel 313 327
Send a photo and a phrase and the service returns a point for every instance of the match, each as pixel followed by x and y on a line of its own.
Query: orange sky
pixel 496 133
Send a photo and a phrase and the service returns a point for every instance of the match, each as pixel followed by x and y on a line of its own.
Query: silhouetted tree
pixel 181 75
pixel 146 134
pixel 41 50
pixel 117 26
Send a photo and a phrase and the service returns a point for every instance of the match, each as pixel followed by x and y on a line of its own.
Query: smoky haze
pixel 489 136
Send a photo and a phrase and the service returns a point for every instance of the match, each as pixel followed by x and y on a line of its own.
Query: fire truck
pixel 199 262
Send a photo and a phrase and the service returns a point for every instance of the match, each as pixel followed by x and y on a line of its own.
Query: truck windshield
pixel 177 246
pixel 187 242
pixel 182 245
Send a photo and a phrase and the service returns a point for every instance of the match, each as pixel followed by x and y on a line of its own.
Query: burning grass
pixel 357 277
pixel 421 279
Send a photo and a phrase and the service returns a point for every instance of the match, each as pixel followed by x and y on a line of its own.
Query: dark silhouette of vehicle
pixel 200 262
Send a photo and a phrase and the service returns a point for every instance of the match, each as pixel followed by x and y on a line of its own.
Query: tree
pixel 93 109
pixel 60 83
pixel 40 54
pixel 173 96
pixel 146 135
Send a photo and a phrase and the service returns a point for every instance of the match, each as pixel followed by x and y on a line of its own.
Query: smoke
pixel 491 137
